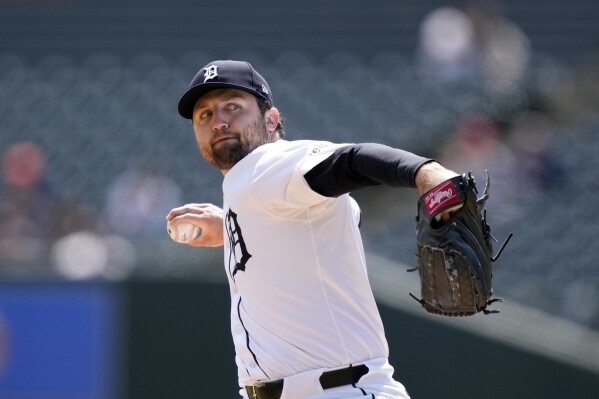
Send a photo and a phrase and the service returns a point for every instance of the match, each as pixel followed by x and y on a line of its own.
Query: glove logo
pixel 441 197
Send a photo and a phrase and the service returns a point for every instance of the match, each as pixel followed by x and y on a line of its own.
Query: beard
pixel 228 154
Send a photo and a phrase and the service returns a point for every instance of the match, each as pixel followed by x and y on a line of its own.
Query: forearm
pixel 430 175
pixel 362 165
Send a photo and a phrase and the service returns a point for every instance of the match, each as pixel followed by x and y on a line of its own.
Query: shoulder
pixel 308 146
pixel 297 151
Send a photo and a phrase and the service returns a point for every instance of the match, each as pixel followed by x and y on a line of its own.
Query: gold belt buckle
pixel 252 389
pixel 252 392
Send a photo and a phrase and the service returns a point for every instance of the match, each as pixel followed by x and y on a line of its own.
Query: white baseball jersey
pixel 300 295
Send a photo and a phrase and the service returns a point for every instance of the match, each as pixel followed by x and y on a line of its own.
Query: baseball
pixel 184 232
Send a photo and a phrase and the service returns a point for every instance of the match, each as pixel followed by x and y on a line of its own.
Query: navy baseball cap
pixel 223 74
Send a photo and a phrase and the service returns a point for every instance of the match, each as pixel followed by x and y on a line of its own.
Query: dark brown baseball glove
pixel 455 256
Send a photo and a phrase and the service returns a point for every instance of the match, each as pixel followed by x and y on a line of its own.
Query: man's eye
pixel 234 107
pixel 205 114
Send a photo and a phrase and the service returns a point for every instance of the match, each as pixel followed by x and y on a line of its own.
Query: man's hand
pixel 429 176
pixel 208 217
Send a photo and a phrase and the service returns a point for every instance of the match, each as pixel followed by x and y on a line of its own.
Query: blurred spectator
pixel 531 138
pixel 574 100
pixel 505 50
pixel 475 43
pixel 85 254
pixel 448 49
pixel 27 204
pixel 139 199
pixel 72 216
pixel 476 146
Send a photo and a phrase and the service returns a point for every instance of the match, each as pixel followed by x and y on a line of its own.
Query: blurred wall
pixel 61 340
pixel 180 347
pixel 170 338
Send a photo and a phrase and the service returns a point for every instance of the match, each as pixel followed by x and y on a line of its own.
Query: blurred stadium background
pixel 97 302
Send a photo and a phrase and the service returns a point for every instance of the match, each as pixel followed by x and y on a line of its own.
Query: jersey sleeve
pixel 352 167
pixel 277 181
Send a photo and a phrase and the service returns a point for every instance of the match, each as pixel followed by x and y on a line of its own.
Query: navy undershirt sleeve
pixel 361 165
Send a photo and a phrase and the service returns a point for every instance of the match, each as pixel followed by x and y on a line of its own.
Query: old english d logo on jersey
pixel 441 197
pixel 238 254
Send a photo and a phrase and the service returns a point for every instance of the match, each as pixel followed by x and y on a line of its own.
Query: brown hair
pixel 264 105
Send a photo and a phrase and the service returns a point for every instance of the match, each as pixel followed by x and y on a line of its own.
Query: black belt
pixel 328 379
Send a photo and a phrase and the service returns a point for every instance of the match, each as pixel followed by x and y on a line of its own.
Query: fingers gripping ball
pixel 184 232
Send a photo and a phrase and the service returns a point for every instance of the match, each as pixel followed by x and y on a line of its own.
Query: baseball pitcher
pixel 303 317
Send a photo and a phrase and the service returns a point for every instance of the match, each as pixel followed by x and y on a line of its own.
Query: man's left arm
pixel 362 165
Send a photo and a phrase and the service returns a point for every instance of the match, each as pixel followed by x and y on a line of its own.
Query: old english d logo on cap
pixel 210 72
pixel 222 74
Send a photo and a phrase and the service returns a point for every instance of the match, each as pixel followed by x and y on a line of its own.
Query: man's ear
pixel 271 118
